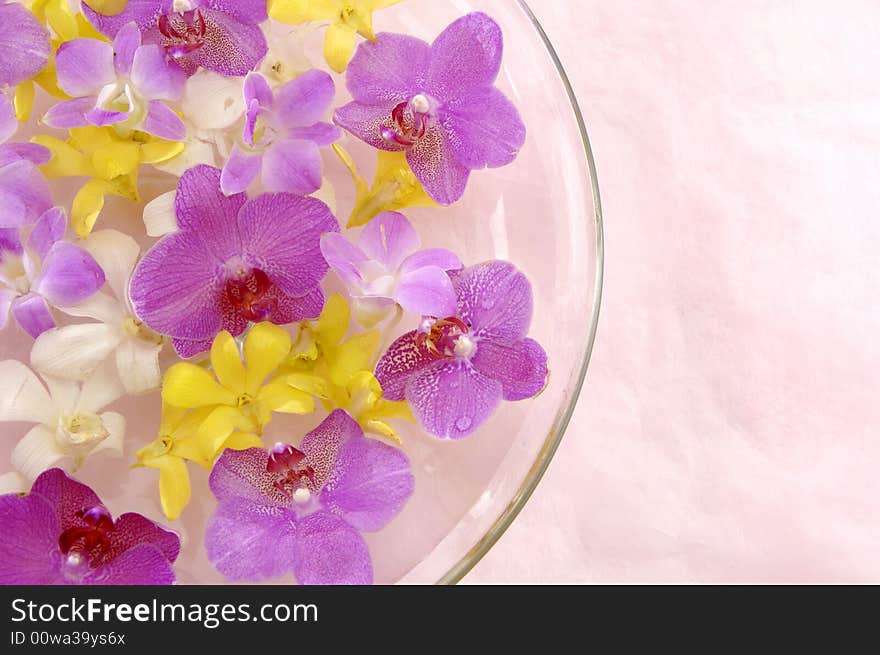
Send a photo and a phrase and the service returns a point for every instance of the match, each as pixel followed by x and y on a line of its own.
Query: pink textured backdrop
pixel 729 428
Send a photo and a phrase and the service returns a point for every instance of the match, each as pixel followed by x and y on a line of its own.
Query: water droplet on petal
pixel 463 423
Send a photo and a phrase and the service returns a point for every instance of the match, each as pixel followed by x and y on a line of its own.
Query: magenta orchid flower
pixel 282 134
pixel 302 510
pixel 220 35
pixel 387 268
pixel 49 271
pixel 232 261
pixel 125 82
pixel 437 102
pixel 61 533
pixel 455 370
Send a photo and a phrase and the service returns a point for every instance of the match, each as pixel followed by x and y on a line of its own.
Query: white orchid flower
pixel 70 425
pixel 74 352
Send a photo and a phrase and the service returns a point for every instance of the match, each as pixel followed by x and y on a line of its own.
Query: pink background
pixel 728 427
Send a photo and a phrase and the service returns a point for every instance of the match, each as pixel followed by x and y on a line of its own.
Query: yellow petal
pixel 394 187
pixel 278 396
pixel 159 150
pixel 374 5
pixel 116 159
pixel 188 385
pixel 217 427
pixel 171 418
pixel 339 45
pixel 294 12
pixel 305 347
pixel 174 487
pixel 356 354
pixel 86 30
pixel 265 348
pixel 87 205
pixel 389 409
pixel 243 441
pixel 107 7
pixel 66 160
pixel 381 428
pixel 333 323
pixel 310 384
pixel 226 362
pixel 61 20
pixel 24 101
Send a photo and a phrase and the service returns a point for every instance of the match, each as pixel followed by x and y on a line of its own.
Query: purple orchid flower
pixel 220 35
pixel 61 533
pixel 118 83
pixel 454 371
pixel 438 102
pixel 282 134
pixel 232 261
pixel 303 510
pixel 49 271
pixel 388 269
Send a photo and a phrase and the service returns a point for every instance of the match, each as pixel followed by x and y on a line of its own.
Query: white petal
pixel 14 483
pixel 101 307
pixel 327 194
pixel 117 254
pixel 101 388
pixel 74 351
pixel 22 396
pixel 212 101
pixel 115 424
pixel 159 217
pixel 36 452
pixel 65 394
pixel 138 365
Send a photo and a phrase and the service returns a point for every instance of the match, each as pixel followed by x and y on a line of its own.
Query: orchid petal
pixel 188 385
pixel 339 45
pixel 495 299
pixel 24 194
pixel 163 122
pixel 226 362
pixel 138 365
pixel 305 100
pixel 427 291
pixel 330 551
pixel 212 101
pixel 84 66
pixel 48 230
pixel 22 396
pixel 488 130
pixel 439 257
pixel 389 70
pixel 265 348
pixel 27 559
pixel 466 56
pixel 431 159
pixel 388 239
pixel 520 367
pixel 343 257
pixel 69 276
pixel 403 359
pixel 116 254
pixel 240 171
pixel 74 352
pixel 292 165
pixel 154 76
pixel 37 451
pixel 125 46
pixel 32 314
pixel 70 113
pixel 159 218
pixel 24 44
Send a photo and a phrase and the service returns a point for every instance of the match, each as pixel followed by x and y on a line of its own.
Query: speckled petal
pixel 495 298
pixel 230 47
pixel 143 12
pixel 330 552
pixel 32 556
pixel 366 121
pixel 401 361
pixel 141 565
pixel 434 164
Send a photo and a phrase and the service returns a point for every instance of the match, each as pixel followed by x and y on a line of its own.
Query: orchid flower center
pixel 80 432
pixel 116 96
pixel 183 31
pixel 409 121
pixel 246 293
pixel 294 478
pixel 446 338
pixel 81 545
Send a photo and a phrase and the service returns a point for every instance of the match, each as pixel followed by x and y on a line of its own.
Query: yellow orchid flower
pixel 109 159
pixel 347 19
pixel 176 444
pixel 339 372
pixel 395 187
pixel 241 394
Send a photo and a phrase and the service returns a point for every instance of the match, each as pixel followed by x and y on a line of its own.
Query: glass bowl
pixel 542 213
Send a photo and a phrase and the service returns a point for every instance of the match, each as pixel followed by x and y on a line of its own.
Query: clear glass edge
pixel 554 438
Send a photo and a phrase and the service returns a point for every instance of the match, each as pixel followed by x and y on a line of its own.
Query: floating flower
pixel 395 187
pixel 73 352
pixel 25 46
pixel 454 371
pixel 109 159
pixel 120 84
pixel 387 269
pixel 61 533
pixel 49 271
pixel 282 135
pixel 436 102
pixel 233 261
pixel 302 510
pixel 243 394
pixel 348 18
pixel 221 35
pixel 286 58
pixel 70 424
pixel 24 194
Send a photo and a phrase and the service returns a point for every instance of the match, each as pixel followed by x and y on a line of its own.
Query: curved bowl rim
pixel 554 438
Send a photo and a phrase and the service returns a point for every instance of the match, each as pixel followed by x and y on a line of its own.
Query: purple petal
pixel 69 276
pixel 292 166
pixel 29 554
pixel 8 121
pixel 101 117
pixel 366 123
pixel 488 130
pixel 321 445
pixel 388 71
pixel 143 12
pixel 163 122
pixel 321 133
pixel 329 551
pixel 10 241
pixel 247 11
pixel 439 257
pixel 451 399
pixel 141 565
pixel 242 475
pixel 154 76
pixel 520 367
pixel 66 495
pixel 343 257
pixel 426 291
pixel 50 228
pixel 304 100
pixel 403 359
pixel 24 194
pixel 125 44
pixel 240 171
pixel 284 231
pixel 495 298
pixel 186 348
pixel 32 152
pixel 32 314
pixel 131 530
pixel 371 481
pixel 84 66
pixel 203 209
pixel 24 44
pixel 433 163
pixel 174 288
pixel 251 542
pixel 290 309
pixel 464 57
pixel 229 47
pixel 257 88
pixel 70 113
pixel 389 239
